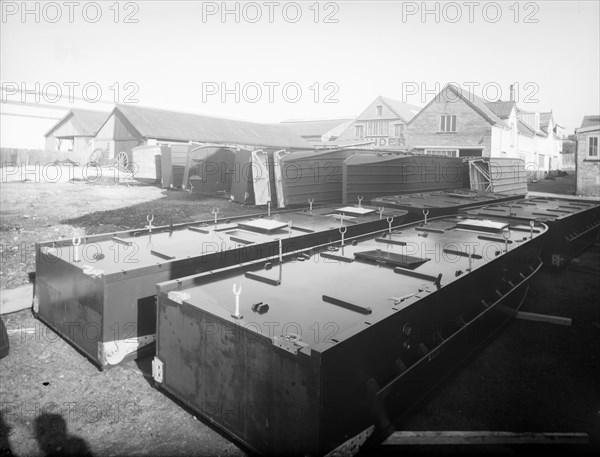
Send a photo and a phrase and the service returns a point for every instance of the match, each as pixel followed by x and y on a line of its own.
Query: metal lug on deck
pixel 425 213
pixel 531 230
pixel 76 242
pixel 390 220
pixel 237 291
pixel 310 203
pixel 360 199
pixel 290 229
pixel 269 208
pixel 35 305
pixel 343 230
pixel 149 219
pixel 380 209
pixel 215 211
pixel 424 349
pixel 506 235
pixel 157 370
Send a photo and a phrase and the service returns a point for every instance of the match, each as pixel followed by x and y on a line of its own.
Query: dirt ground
pixel 535 377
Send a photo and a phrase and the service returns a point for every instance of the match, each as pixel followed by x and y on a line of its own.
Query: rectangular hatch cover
pixel 355 210
pixel 263 225
pixel 391 258
pixel 482 225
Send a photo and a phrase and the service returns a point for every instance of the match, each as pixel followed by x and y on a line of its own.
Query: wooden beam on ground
pixel 558 320
pixel 429 438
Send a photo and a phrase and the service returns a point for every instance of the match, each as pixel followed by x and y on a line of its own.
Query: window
pixel 442 152
pixel 398 130
pixel 379 110
pixel 593 146
pixel 359 131
pixel 377 128
pixel 448 123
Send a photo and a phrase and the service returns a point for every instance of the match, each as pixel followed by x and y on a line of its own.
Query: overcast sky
pixel 333 58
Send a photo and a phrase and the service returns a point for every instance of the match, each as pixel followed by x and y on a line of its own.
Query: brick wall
pixel 588 170
pixel 472 130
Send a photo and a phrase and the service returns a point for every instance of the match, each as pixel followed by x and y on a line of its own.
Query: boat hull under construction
pixel 573 224
pixel 372 176
pixel 322 351
pixel 315 175
pixel 443 202
pixel 99 295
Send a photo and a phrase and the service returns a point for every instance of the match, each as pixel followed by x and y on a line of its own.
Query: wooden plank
pixel 544 318
pixel 482 438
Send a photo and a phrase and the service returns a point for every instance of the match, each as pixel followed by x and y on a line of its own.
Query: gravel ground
pixel 535 377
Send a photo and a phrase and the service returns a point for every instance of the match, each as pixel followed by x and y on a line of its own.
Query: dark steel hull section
pixel 313 401
pixel 441 203
pixel 573 224
pixel 96 313
pixel 380 175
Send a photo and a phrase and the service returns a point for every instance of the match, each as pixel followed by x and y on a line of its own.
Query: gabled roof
pixel 473 101
pixel 86 122
pixel 403 110
pixel 501 108
pixel 525 129
pixel 590 121
pixel 545 120
pixel 170 125
pixel 314 127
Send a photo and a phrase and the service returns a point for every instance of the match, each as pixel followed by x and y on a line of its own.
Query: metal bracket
pixel 178 296
pixel 157 369
pixel 113 352
pixel 35 305
pixel 289 342
pixel 92 272
pixel 556 260
pixel 352 446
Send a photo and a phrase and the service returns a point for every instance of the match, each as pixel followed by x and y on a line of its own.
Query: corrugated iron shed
pixel 176 126
pixel 83 122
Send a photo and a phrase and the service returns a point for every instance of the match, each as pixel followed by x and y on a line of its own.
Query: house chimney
pixel 512 92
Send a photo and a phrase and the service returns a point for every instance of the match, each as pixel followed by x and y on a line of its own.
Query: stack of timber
pixel 498 174
pixel 372 176
pixel 320 351
pixel 98 292
pixel 573 223
pixel 441 203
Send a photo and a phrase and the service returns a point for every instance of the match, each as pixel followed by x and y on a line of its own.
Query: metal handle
pixel 425 213
pixel 76 242
pixel 360 199
pixel 237 291
pixel 310 202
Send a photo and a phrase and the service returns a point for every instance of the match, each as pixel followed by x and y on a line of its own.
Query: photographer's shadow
pixel 53 439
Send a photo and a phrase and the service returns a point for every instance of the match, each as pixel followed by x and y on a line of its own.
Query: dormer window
pixel 379 110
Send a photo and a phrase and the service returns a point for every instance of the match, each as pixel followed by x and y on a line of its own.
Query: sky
pixel 275 61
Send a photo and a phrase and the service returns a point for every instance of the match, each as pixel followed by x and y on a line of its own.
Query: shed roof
pixel 500 108
pixel 171 125
pixel 85 122
pixel 314 127
pixel 590 121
